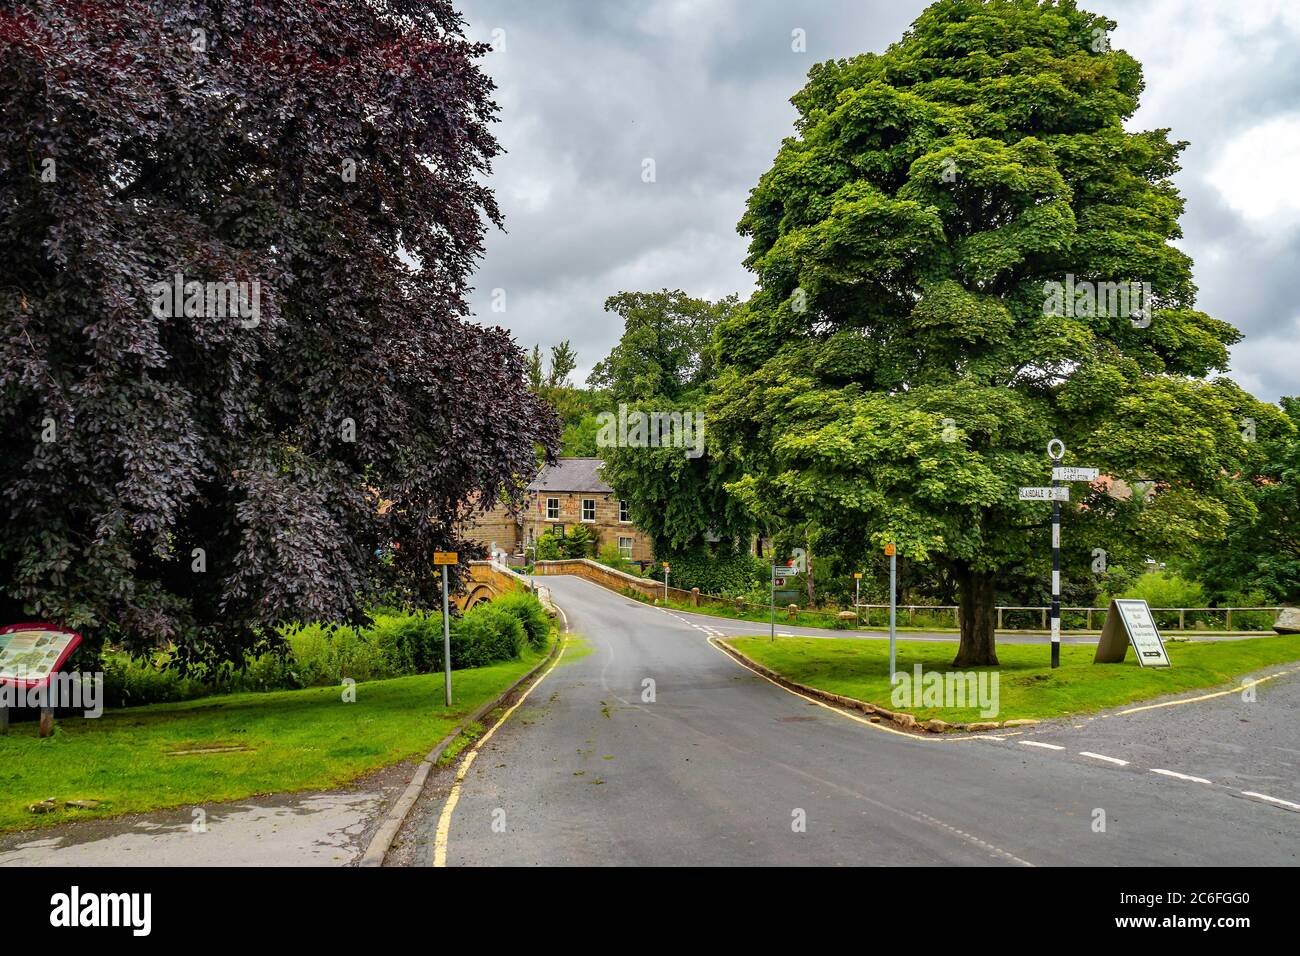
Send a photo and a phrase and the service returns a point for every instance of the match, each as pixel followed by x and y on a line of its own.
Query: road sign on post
pixel 666 570
pixel 1053 493
pixel 443 559
pixel 1056 493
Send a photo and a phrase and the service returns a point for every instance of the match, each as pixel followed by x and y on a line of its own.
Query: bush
pixel 548 548
pixel 132 682
pixel 530 613
pixel 1165 589
pixel 612 557
pixel 485 635
pixel 727 573
pixel 580 542
pixel 315 655
pixel 410 644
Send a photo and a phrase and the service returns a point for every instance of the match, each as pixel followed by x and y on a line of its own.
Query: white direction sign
pixel 1129 621
pixel 1074 474
pixel 1045 494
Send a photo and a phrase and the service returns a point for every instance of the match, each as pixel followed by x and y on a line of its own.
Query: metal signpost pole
pixel 892 551
pixel 1056 448
pixel 443 559
pixel 446 639
pixel 773 637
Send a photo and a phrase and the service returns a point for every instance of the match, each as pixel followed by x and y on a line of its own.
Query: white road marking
pixel 1180 776
pixel 1263 796
pixel 1039 743
pixel 1115 760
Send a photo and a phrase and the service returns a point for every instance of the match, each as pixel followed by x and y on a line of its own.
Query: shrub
pixel 530 613
pixel 726 572
pixel 485 635
pixel 410 644
pixel 1165 589
pixel 134 682
pixel 548 548
pixel 580 542
pixel 612 557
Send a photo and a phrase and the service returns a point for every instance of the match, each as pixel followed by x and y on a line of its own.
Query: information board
pixel 1129 621
pixel 30 653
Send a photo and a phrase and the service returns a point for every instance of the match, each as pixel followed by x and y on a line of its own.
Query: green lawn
pixel 1028 687
pixel 298 740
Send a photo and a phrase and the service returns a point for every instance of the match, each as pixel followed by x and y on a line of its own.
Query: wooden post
pixel 1088 621
pixel 999 619
pixel 47 721
pixel 1044 618
pixel 792 611
pixel 1182 619
pixel 1229 627
pixel 4 719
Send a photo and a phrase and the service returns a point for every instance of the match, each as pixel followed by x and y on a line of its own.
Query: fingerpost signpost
pixel 1056 493
pixel 445 558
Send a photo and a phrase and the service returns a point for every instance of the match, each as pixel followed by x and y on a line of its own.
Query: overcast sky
pixel 589 89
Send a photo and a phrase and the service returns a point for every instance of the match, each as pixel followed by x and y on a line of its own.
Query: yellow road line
pixel 1193 700
pixel 444 820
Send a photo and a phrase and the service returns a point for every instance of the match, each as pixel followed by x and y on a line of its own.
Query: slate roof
pixel 572 474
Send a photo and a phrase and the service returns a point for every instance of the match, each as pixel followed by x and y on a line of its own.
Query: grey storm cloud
pixel 591 90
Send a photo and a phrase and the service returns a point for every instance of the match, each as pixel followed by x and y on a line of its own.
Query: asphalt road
pixel 722 767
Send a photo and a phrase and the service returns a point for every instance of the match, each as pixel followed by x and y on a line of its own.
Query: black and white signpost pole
pixel 1056 492
pixel 1056 448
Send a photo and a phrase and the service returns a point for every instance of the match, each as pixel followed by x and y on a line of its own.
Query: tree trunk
pixel 978 615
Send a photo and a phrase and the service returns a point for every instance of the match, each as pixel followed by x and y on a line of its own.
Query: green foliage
pixel 1165 589
pixel 549 547
pixel 1262 551
pixel 612 557
pixel 531 614
pixel 314 655
pixel 484 635
pixel 663 363
pixel 664 350
pixel 727 573
pixel 898 373
pixel 579 542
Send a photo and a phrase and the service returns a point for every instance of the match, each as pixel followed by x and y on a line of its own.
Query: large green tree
pixel 906 358
pixel 1262 549
pixel 663 363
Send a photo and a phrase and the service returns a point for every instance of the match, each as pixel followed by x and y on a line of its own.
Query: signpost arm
pixel 446 639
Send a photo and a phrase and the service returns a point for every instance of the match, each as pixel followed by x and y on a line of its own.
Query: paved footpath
pixel 724 767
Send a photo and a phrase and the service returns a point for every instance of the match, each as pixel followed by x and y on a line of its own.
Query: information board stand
pixel 1129 621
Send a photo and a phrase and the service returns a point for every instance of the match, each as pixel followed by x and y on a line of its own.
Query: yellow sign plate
pixel 890 550
pixel 446 557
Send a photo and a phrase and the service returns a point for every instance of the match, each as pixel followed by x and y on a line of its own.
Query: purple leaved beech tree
pixel 238 386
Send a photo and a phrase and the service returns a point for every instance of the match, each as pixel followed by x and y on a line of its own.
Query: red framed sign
pixel 31 653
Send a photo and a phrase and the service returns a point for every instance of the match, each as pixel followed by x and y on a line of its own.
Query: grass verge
pixel 1027 685
pixel 296 740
